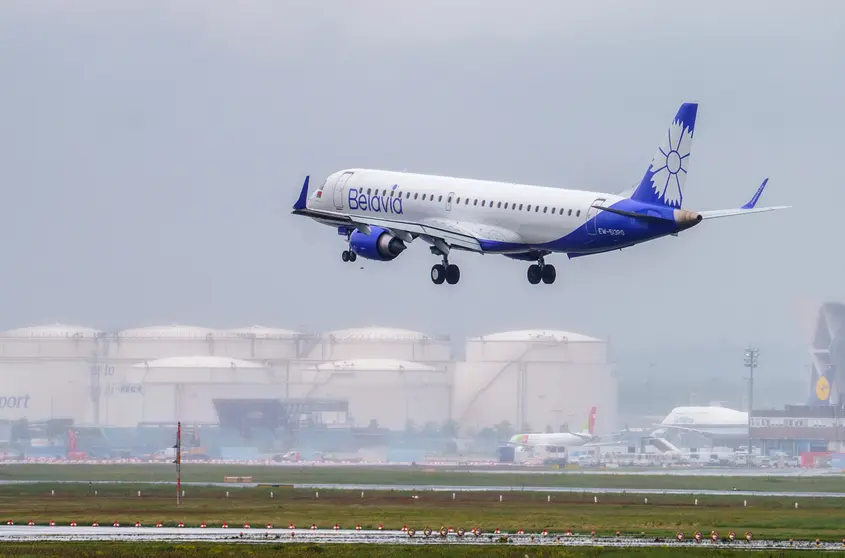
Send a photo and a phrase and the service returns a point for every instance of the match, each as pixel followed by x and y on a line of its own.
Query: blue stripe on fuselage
pixel 603 232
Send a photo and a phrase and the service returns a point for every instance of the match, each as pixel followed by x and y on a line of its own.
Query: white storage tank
pixel 382 342
pixel 264 343
pixel 154 342
pixel 389 391
pixel 535 379
pixel 181 388
pixel 45 372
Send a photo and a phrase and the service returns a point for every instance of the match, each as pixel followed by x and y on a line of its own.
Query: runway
pixel 451 488
pixel 568 489
pixel 328 536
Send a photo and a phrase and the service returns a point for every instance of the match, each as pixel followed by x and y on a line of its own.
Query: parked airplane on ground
pixel 711 421
pixel 557 439
pixel 380 212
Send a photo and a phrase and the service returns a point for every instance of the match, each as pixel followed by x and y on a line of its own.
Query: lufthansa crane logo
pixel 822 389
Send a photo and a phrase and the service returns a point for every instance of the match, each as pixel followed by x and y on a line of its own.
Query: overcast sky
pixel 151 152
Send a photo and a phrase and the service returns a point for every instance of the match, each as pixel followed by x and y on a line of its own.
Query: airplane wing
pixel 745 209
pixel 453 234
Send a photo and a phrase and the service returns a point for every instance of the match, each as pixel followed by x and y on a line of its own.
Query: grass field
pixel 765 517
pixel 79 550
pixel 418 476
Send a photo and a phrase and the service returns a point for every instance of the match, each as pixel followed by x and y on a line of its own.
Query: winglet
pixel 756 198
pixel 303 195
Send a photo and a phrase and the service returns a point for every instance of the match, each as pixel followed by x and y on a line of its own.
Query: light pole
pixel 751 356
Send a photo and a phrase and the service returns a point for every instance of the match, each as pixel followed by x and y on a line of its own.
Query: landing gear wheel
pixel 534 274
pixel 549 274
pixel 438 274
pixel 345 255
pixel 453 274
pixel 352 256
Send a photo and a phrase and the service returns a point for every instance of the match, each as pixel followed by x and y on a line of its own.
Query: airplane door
pixel 449 201
pixel 338 189
pixel 592 212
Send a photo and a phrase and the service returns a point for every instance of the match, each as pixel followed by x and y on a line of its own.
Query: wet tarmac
pixel 341 536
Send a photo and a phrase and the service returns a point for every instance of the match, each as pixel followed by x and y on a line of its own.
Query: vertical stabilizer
pixel 591 422
pixel 663 183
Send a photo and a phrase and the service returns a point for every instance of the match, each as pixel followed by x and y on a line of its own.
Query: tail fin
pixel 591 421
pixel 663 183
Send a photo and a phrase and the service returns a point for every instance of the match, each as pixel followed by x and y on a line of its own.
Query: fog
pixel 152 151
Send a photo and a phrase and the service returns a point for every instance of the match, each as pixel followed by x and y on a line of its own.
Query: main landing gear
pixel 541 271
pixel 348 256
pixel 450 273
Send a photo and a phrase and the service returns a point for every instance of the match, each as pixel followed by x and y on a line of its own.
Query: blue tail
pixel 663 183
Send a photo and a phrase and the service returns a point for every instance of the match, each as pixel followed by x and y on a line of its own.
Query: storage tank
pixel 181 388
pixel 154 342
pixel 389 391
pixel 264 343
pixel 382 342
pixel 44 372
pixel 535 379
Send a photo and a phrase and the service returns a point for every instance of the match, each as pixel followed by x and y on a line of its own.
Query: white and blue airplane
pixel 381 212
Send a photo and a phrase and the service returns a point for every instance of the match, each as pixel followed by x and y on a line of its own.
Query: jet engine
pixel 379 245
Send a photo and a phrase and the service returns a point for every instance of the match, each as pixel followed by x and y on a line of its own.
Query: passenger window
pixel 475 202
pixel 423 198
pixel 528 208
pixel 440 198
pixel 407 195
pixel 458 200
pixel 384 192
pixel 520 207
pixel 369 190
pixel 483 202
pixel 546 209
pixel 416 195
pixel 449 199
pixel 553 211
pixel 466 201
pixel 570 212
pixel 499 205
pixel 578 214
pixel 506 205
pixel 536 208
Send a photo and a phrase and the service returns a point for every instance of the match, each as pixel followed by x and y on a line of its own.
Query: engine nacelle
pixel 379 245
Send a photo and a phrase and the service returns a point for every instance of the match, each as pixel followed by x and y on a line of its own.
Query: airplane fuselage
pixel 552 439
pixel 507 218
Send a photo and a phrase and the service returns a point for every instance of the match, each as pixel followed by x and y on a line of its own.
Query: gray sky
pixel 152 150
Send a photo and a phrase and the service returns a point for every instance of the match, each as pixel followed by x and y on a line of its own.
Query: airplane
pixel 381 212
pixel 710 421
pixel 558 439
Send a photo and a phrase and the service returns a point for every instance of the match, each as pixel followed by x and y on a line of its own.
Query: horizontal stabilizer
pixel 745 209
pixel 716 213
